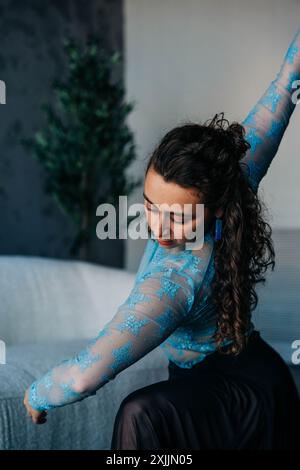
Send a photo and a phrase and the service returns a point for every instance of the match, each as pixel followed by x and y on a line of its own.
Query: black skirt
pixel 248 401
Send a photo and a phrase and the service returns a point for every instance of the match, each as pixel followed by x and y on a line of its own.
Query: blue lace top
pixel 170 304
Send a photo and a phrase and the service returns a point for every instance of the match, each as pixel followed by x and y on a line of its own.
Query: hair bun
pixel 236 134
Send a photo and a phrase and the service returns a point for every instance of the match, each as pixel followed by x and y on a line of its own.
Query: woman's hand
pixel 38 417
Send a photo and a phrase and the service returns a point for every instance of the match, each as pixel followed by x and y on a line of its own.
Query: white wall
pixel 190 59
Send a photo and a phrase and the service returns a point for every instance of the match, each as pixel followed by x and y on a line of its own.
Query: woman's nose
pixel 160 226
pixel 164 226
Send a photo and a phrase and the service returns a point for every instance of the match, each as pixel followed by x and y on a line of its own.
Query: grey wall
pixel 31 55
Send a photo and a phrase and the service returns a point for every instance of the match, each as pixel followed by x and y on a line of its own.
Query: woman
pixel 227 388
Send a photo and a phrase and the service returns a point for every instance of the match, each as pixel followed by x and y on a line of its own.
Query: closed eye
pixel 173 217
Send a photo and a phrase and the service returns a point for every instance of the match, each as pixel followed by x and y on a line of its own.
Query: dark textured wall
pixel 31 55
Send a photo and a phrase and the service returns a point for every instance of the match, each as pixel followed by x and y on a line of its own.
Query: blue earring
pixel 218 229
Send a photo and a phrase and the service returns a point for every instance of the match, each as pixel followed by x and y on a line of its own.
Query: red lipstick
pixel 165 242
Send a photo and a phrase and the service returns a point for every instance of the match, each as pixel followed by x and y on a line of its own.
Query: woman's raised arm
pixel 269 118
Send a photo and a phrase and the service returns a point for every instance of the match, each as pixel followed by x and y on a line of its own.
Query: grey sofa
pixel 50 308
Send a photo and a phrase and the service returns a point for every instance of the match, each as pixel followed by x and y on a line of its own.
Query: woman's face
pixel 169 220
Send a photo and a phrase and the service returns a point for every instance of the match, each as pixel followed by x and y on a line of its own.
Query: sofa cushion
pixel 44 299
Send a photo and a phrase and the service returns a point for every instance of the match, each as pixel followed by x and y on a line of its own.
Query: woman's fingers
pixel 39 417
pixel 41 421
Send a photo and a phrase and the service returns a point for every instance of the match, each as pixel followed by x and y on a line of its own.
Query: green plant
pixel 86 145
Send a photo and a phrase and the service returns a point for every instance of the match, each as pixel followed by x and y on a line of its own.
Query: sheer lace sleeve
pixel 269 118
pixel 159 301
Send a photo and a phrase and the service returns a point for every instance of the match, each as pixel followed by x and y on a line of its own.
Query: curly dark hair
pixel 207 157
